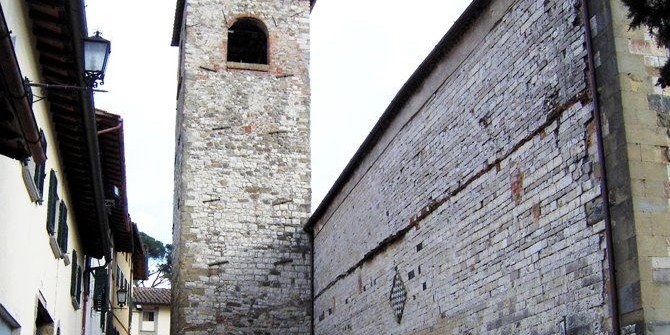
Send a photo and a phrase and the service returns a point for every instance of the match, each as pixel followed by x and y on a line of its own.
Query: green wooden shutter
pixel 53 198
pixel 39 169
pixel 62 228
pixel 39 180
pixel 118 276
pixel 100 290
pixel 73 277
pixel 79 284
pixel 102 320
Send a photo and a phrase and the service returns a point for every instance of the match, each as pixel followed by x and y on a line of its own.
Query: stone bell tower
pixel 242 262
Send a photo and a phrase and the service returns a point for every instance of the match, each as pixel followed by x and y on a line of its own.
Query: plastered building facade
pixel 60 224
pixel 242 168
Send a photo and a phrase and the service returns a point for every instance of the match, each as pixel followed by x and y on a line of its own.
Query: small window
pixel 62 227
pixel 33 178
pixel 100 291
pixel 8 325
pixel 248 42
pixel 53 201
pixel 118 276
pixel 148 321
pixel 148 316
pixel 57 214
pixel 44 323
pixel 80 283
pixel 75 281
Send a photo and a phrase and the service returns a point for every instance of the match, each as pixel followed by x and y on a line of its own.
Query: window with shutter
pixel 79 284
pixel 39 180
pixel 53 199
pixel 118 276
pixel 100 290
pixel 28 173
pixel 73 276
pixel 75 280
pixel 62 227
pixel 38 176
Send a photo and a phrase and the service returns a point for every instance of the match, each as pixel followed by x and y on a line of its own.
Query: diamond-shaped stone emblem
pixel 398 296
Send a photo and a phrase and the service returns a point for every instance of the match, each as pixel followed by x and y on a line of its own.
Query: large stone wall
pixel 482 194
pixel 636 123
pixel 242 175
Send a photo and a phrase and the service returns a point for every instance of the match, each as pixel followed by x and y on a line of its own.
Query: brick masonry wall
pixel 482 195
pixel 242 175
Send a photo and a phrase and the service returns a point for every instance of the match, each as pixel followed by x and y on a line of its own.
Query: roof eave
pixel 140 259
pixel 59 37
pixel 25 124
pixel 113 166
pixel 78 14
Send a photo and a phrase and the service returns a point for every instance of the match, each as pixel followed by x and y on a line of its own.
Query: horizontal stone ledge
pixel 218 263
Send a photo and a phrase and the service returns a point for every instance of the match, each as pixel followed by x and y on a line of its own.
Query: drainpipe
pixel 310 231
pixel 593 86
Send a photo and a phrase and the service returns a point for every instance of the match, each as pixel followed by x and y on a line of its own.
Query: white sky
pixel 362 52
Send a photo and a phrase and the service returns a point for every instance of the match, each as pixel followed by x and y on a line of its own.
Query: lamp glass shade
pixel 116 192
pixel 121 296
pixel 96 52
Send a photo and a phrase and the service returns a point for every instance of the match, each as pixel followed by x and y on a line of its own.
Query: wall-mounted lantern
pixel 96 54
pixel 121 296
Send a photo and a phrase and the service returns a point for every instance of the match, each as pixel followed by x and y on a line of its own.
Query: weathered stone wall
pixel 636 116
pixel 242 180
pixel 482 194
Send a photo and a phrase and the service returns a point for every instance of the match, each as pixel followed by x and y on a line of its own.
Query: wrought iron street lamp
pixel 121 296
pixel 96 53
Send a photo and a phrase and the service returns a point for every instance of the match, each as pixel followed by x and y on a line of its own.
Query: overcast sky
pixel 362 52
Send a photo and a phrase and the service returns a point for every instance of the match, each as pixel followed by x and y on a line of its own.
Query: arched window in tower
pixel 248 42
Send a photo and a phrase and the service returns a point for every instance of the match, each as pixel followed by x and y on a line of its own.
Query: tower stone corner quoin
pixel 242 262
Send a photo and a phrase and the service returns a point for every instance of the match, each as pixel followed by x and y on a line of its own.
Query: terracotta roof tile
pixel 151 296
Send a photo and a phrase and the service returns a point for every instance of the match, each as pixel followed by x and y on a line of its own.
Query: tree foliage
pixel 155 248
pixel 161 271
pixel 655 16
pixel 165 268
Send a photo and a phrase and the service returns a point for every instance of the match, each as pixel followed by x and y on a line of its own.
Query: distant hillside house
pixel 151 311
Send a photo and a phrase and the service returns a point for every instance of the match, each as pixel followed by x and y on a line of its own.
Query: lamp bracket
pixel 64 87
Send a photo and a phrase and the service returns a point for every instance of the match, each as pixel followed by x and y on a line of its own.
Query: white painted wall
pixel 162 320
pixel 122 315
pixel 29 268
